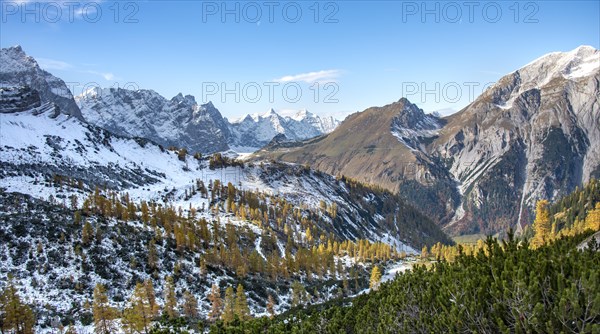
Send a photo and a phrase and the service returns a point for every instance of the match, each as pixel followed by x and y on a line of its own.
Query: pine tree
pixel 145 215
pixel 15 316
pixel 103 313
pixel 241 308
pixel 77 218
pixel 298 294
pixel 541 225
pixel 151 297
pixel 271 307
pixel 152 255
pixel 73 202
pixel 203 269
pixel 309 236
pixel 170 298
pixel 87 233
pixel 228 306
pixel 216 303
pixel 345 285
pixel 375 278
pixel 190 305
pixel 137 317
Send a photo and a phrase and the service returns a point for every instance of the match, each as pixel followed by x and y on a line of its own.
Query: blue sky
pixel 333 58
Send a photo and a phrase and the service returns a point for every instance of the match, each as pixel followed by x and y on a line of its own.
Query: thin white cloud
pixel 310 77
pixel 52 64
pixel 108 76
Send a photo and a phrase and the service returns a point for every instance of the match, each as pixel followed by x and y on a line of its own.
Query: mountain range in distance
pixel 182 122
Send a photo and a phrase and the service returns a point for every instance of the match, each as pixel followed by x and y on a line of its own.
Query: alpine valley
pixel 124 203
pixel 121 192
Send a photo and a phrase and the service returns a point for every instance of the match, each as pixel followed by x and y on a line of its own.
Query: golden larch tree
pixel 541 225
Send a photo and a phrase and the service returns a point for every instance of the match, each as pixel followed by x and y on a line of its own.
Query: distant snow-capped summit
pixel 257 130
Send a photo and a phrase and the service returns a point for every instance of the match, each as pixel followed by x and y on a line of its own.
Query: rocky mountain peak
pixel 20 70
pixel 187 100
pixel 14 59
pixel 270 113
pixel 532 135
pixel 550 69
pixel 209 110
pixel 410 116
pixel 411 125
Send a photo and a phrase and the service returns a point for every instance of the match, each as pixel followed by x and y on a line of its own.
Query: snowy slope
pixel 576 64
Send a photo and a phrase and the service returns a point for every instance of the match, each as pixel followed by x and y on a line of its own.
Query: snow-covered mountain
pixel 257 130
pixel 325 124
pixel 178 122
pixel 19 71
pixel 181 122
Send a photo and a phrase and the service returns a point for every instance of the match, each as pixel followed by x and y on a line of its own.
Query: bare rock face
pixel 16 99
pixel 533 135
pixel 385 146
pixel 20 70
